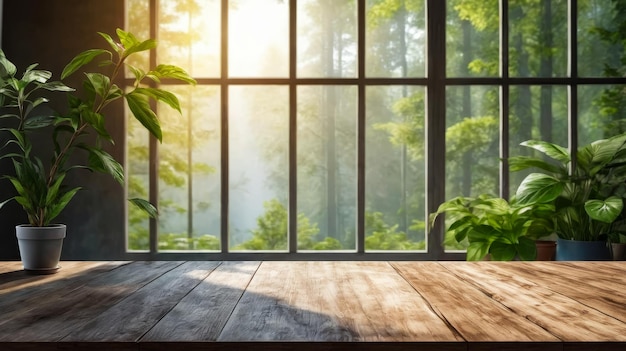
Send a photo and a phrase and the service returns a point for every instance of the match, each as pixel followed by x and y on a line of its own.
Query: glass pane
pixel 395 39
pixel 395 168
pixel 137 183
pixel 259 167
pixel 538 113
pixel 538 38
pixel 327 38
pixel 472 38
pixel 138 23
pixel 189 164
pixel 189 35
pixel 472 143
pixel 601 112
pixel 326 167
pixel 258 33
pixel 601 30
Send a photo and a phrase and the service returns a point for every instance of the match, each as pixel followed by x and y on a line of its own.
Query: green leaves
pixel 80 60
pixel 538 188
pixel 41 191
pixel 138 105
pixel 494 226
pixel 605 211
pixel 145 206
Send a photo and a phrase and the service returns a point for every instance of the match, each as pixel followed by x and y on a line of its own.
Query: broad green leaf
pixel 527 249
pixel 80 60
pixel 519 163
pixel 137 72
pixel 502 251
pixel 38 122
pixel 8 68
pixel 145 206
pixel 127 39
pixel 96 121
pixel 115 46
pixel 605 211
pixel 174 72
pixel 538 188
pixel 551 150
pixel 102 161
pixel 476 251
pixel 138 105
pixel 39 76
pixel 99 82
pixel 161 95
pixel 56 86
pixel 138 47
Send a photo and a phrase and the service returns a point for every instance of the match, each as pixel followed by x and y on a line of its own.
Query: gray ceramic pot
pixel 40 247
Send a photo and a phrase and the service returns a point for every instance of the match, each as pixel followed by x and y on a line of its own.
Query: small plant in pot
pixel 41 188
pixel 495 227
pixel 588 194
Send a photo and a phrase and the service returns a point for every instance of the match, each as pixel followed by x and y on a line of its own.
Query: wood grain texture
pixel 132 317
pixel 604 293
pixel 48 318
pixel 369 306
pixel 542 306
pixel 20 279
pixel 332 301
pixel 10 266
pixel 468 310
pixel 202 314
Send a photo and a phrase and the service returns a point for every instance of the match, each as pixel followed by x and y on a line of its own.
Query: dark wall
pixel 51 32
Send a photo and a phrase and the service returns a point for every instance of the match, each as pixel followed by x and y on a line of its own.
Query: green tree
pixel 272 228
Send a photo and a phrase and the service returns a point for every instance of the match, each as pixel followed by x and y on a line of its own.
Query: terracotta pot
pixel 546 250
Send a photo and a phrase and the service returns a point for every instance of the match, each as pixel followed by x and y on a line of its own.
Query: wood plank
pixel 10 266
pixel 593 288
pixel 609 271
pixel 560 315
pixel 203 313
pixel 304 346
pixel 18 299
pixel 49 318
pixel 333 301
pixel 138 313
pixel 473 314
pixel 20 279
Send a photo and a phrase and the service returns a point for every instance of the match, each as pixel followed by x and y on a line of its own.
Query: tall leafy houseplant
pixel 588 196
pixel 41 188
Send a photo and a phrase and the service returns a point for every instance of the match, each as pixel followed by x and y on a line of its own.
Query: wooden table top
pixel 212 305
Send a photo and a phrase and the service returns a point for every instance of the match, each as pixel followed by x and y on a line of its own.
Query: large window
pixel 331 128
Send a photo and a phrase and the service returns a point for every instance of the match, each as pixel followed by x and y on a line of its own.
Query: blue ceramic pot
pixel 574 250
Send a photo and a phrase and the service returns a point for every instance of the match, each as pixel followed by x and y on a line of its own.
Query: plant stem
pixel 57 161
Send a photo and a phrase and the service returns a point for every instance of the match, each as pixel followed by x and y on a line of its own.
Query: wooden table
pixel 208 305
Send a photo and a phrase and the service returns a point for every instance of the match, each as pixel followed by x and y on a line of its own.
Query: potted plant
pixel 41 188
pixel 495 227
pixel 588 194
pixel 618 246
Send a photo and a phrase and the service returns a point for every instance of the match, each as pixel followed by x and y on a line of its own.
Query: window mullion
pixel 504 99
pixel 153 146
pixel 293 132
pixel 360 225
pixel 224 240
pixel 572 19
pixel 435 119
